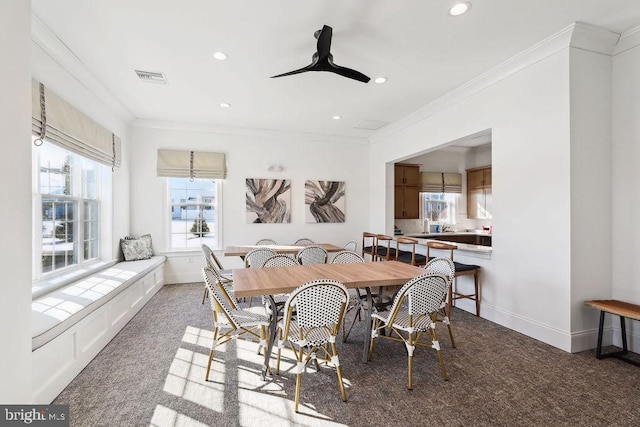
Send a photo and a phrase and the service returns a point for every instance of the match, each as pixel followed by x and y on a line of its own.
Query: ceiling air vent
pixel 151 77
pixel 370 124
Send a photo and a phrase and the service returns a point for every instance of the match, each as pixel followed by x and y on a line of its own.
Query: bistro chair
pixel 461 270
pixel 229 321
pixel 304 242
pixel 369 245
pixel 446 267
pixel 412 314
pixel 278 260
pixel 350 246
pixel 312 254
pixel 263 242
pixel 223 276
pixel 256 258
pixel 319 307
pixel 355 297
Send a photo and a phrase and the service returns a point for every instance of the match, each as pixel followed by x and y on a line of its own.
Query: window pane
pixel 193 213
pixel 59 246
pixel 56 170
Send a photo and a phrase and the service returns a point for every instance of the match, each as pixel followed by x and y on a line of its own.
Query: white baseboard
pixel 541 332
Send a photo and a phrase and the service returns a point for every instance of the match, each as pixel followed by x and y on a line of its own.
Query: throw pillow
pixel 135 249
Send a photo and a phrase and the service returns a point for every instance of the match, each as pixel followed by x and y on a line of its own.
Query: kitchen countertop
pixel 423 238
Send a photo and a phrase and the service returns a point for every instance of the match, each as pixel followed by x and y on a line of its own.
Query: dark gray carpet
pixel 152 373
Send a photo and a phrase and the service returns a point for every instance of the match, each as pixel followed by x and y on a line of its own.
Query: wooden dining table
pixel 281 249
pixel 251 282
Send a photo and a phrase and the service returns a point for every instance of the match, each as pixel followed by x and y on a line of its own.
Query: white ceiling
pixel 422 51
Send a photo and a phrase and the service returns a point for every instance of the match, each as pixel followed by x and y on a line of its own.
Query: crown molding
pixel 628 40
pixel 593 39
pixel 578 35
pixel 256 133
pixel 59 52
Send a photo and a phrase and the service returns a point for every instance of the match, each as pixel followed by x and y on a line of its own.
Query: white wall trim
pixel 53 46
pixel 578 35
pixel 266 133
pixel 526 326
pixel 628 40
pixel 611 335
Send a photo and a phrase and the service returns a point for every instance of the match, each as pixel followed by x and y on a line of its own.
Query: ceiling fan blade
pixel 290 73
pixel 324 41
pixel 348 72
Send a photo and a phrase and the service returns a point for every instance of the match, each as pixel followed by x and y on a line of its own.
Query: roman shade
pixel 191 164
pixel 441 182
pixel 55 120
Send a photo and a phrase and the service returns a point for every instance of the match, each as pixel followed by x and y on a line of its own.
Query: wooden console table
pixel 622 309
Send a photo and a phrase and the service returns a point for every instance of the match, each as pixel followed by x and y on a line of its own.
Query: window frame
pixel 79 196
pixel 217 212
pixel 452 205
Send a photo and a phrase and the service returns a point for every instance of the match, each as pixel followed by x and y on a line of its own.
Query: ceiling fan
pixel 322 60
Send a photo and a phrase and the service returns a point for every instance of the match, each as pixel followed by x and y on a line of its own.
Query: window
pixel 68 198
pixel 440 207
pixel 194 213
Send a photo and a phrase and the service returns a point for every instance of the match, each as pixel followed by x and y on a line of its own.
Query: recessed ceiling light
pixel 220 56
pixel 336 117
pixel 380 80
pixel 225 105
pixel 459 8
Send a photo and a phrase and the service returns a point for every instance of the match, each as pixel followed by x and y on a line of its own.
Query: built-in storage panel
pixel 407 191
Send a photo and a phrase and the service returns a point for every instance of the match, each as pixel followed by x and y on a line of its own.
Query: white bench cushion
pixel 56 311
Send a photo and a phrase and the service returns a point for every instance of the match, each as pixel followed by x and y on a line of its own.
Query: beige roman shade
pixel 441 182
pixel 59 122
pixel 191 164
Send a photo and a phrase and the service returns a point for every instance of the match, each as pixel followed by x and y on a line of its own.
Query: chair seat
pixel 248 317
pixel 316 337
pixel 404 256
pixel 402 321
pixel 382 251
pixel 465 267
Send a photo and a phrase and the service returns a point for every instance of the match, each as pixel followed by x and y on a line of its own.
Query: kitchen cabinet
pixel 479 196
pixel 407 191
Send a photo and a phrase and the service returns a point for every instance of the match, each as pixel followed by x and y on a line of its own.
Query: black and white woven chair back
pixel 256 258
pixel 442 265
pixel 266 242
pixel 304 241
pixel 320 303
pixel 312 255
pixel 350 245
pixel 422 295
pixel 347 257
pixel 219 296
pixel 280 260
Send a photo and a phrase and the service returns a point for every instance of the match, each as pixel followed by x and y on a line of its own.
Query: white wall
pixel 590 77
pixel 626 176
pixel 248 154
pixel 528 114
pixel 15 175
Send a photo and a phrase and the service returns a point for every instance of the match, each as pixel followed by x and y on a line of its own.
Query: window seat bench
pixel 71 324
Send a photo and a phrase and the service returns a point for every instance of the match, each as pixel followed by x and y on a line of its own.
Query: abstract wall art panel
pixel 325 201
pixel 268 201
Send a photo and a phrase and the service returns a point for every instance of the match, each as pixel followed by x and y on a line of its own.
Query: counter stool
pixel 461 270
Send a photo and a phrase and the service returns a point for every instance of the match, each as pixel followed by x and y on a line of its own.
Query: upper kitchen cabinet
pixel 479 193
pixel 407 191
